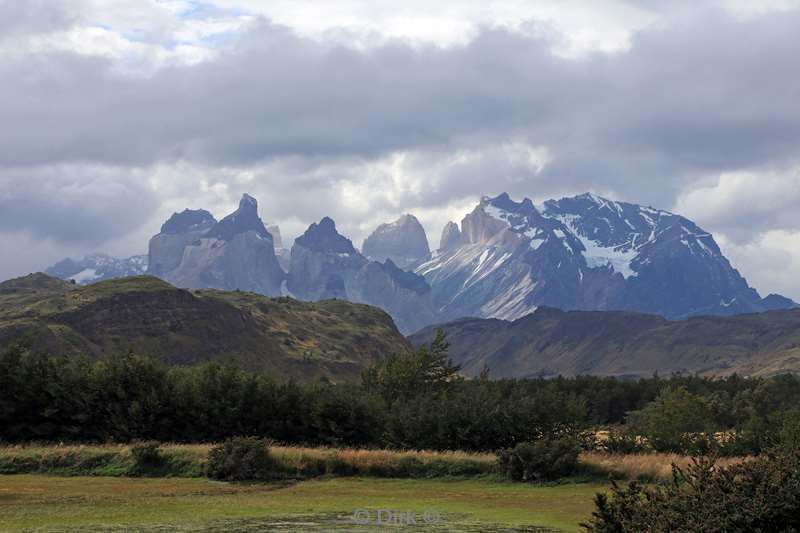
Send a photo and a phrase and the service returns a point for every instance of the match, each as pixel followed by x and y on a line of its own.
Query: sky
pixel 116 113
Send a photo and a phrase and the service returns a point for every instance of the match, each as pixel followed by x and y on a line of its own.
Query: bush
pixel 146 456
pixel 544 459
pixel 623 443
pixel 762 494
pixel 676 421
pixel 241 459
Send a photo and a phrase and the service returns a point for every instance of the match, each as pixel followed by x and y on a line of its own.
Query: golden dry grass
pixel 641 466
pixel 190 460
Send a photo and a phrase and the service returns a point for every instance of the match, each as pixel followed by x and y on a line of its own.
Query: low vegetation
pixel 762 494
pixel 284 462
pixel 543 460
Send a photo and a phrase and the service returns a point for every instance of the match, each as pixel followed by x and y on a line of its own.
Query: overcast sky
pixel 115 113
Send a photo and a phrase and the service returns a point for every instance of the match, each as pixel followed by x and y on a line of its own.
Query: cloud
pixel 689 109
pixel 770 262
pixel 747 205
pixel 33 17
pixel 73 204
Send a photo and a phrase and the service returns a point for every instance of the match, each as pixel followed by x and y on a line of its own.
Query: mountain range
pixel 505 260
pixel 584 252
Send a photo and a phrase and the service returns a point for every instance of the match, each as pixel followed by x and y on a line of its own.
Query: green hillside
pixel 283 336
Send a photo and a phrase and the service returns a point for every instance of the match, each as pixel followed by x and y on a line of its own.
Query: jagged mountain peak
pixel 323 237
pixel 244 219
pixel 584 252
pixel 248 202
pixel 188 220
pixel 403 241
pixel 235 253
pixel 451 236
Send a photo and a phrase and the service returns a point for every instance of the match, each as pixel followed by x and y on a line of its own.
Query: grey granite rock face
pixel 194 251
pixel 585 253
pixel 451 237
pixel 283 254
pixel 402 294
pixel 324 264
pixel 322 261
pixel 403 241
pixel 166 248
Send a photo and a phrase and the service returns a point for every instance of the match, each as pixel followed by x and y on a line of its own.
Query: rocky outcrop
pixel 283 254
pixel 236 253
pixel 403 241
pixel 404 295
pixel 451 237
pixel 324 264
pixel 182 229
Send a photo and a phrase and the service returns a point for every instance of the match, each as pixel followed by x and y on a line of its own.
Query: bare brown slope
pixel 550 342
pixel 285 337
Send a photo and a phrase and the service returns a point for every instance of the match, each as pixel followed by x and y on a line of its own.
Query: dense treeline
pixel 413 400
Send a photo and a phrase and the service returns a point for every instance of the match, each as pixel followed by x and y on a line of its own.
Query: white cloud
pixel 746 204
pixel 363 110
pixel 770 262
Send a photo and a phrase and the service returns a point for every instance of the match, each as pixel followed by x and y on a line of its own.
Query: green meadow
pixel 58 503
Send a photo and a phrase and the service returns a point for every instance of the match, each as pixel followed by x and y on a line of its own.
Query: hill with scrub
pixel 550 342
pixel 333 339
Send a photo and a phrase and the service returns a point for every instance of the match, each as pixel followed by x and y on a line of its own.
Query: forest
pixel 411 400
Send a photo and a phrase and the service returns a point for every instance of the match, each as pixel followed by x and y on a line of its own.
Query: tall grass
pixel 297 462
pixel 189 460
pixel 645 467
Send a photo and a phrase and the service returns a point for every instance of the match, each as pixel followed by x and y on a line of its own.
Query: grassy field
pixel 48 503
pixel 97 488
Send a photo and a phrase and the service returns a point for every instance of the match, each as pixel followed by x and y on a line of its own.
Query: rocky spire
pixel 240 221
pixel 323 237
pixel 451 236
pixel 403 241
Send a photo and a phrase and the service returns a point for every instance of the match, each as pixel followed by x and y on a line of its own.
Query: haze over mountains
pixel 506 259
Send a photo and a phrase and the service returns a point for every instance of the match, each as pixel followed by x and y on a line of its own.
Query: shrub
pixel 623 443
pixel 676 421
pixel 544 459
pixel 762 494
pixel 241 459
pixel 336 465
pixel 146 456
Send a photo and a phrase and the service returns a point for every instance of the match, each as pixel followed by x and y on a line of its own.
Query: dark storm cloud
pixel 712 93
pixel 78 205
pixel 702 95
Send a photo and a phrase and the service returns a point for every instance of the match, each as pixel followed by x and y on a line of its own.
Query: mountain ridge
pixel 550 342
pixel 287 338
pixel 584 252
